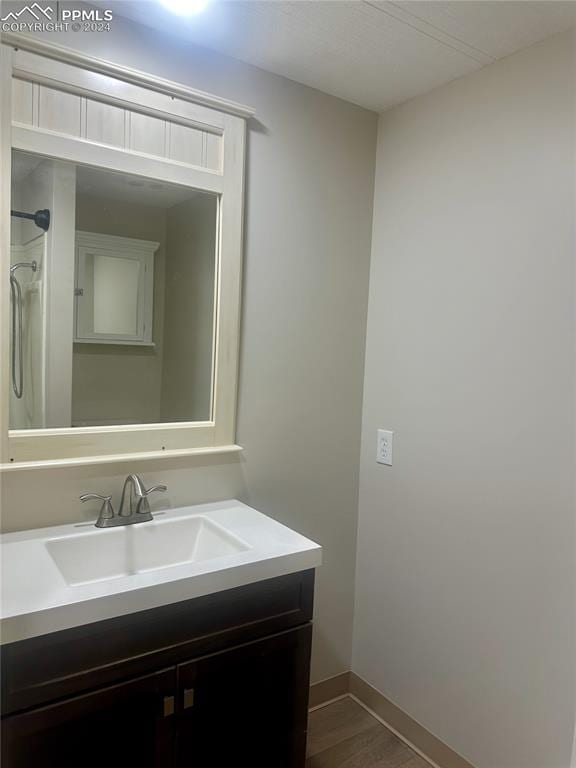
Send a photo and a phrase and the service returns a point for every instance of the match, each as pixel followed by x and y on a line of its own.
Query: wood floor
pixel 344 735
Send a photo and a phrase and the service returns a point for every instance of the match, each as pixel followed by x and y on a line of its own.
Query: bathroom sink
pixel 71 575
pixel 98 555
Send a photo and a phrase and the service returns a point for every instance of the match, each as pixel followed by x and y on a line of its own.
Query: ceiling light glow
pixel 185 7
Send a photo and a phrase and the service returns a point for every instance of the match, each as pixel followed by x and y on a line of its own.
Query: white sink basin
pixel 119 552
pixel 71 575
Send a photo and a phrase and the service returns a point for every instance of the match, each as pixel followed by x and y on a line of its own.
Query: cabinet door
pixel 247 706
pixel 114 289
pixel 131 724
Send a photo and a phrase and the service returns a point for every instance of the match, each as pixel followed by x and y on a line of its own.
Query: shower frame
pixel 16 325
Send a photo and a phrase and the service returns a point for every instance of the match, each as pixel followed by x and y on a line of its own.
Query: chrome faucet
pixel 134 504
pixel 137 501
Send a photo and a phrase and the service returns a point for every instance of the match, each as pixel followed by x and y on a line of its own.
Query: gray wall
pixel 189 315
pixel 465 580
pixel 310 169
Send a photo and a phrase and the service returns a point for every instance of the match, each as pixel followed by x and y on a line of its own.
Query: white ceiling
pixel 120 187
pixel 375 53
pixel 110 185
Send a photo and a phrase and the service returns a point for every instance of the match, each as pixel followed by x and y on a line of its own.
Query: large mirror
pixel 112 294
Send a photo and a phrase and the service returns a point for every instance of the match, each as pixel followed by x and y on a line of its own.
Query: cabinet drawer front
pixel 62 664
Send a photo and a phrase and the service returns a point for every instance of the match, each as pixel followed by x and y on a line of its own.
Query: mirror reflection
pixel 112 297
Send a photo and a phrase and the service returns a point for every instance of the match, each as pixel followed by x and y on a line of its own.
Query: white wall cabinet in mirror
pixel 135 313
pixel 114 289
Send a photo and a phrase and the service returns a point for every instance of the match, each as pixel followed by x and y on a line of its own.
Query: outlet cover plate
pixel 384 447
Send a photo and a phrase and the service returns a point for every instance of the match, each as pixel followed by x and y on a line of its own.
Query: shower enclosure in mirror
pixel 113 306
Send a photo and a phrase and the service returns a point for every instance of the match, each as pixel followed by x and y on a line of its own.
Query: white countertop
pixel 36 599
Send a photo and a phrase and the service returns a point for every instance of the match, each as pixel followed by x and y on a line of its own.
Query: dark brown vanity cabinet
pixel 117 726
pixel 250 702
pixel 228 686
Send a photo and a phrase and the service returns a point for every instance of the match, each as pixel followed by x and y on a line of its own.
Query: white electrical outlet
pixel 384 447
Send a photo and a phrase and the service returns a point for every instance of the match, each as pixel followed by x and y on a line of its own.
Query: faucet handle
pixel 106 511
pixel 143 506
pixel 156 488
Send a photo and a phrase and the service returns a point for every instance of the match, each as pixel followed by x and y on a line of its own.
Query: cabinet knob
pixel 168 708
pixel 188 698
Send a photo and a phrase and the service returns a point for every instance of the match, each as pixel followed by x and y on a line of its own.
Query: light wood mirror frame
pixel 49 71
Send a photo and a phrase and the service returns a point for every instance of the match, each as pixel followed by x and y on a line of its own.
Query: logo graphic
pixel 35 10
pixel 37 18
